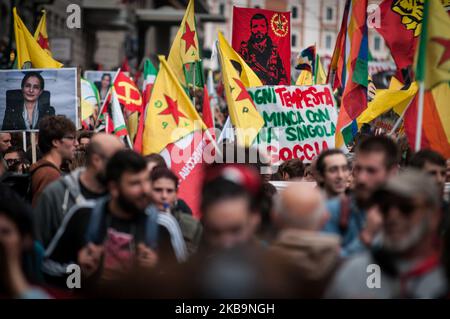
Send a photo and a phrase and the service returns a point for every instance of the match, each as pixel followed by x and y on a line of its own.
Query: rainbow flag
pixel 349 69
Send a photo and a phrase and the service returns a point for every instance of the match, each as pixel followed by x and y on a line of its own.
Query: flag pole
pixel 24 141
pixel 316 56
pixel 399 120
pixel 420 116
pixel 420 74
pixel 193 80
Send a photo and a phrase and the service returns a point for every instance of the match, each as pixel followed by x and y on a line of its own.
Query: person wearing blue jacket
pixel 376 159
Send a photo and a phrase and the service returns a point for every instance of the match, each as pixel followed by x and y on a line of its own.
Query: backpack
pixel 29 194
pixel 98 215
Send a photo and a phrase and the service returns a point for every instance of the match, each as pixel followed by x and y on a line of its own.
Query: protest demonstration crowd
pixel 251 184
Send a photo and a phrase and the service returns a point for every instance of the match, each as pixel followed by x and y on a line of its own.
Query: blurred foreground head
pixel 300 206
pixel 16 243
pixel 410 206
pixel 244 272
pixel 232 153
pixel 229 204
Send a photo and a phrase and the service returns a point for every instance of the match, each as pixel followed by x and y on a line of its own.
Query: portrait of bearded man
pixel 261 54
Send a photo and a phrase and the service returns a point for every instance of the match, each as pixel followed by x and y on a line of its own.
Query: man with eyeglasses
pixel 406 261
pixel 57 142
pixel 75 188
pixel 16 161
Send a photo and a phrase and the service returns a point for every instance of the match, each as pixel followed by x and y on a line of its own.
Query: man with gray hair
pixel 405 260
pixel 300 213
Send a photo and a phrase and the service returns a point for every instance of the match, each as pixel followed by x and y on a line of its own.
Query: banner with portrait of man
pixel 27 96
pixel 263 39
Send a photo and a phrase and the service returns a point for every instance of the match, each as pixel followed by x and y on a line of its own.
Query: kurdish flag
pixel 170 114
pixel 243 113
pixel 184 56
pixel 28 49
pixel 431 113
pixel 41 36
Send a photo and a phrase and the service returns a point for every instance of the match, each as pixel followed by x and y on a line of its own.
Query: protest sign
pixel 26 96
pixel 299 121
pixel 102 80
pixel 263 39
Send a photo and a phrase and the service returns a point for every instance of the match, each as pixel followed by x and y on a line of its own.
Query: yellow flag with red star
pixel 170 114
pixel 28 49
pixel 41 35
pixel 433 54
pixel 243 113
pixel 184 54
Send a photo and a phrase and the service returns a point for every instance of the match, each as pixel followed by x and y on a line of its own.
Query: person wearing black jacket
pixel 109 238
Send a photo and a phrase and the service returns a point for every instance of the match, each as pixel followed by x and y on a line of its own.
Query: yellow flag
pixel 170 114
pixel 29 48
pixel 304 78
pixel 433 53
pixel 385 100
pixel 245 73
pixel 21 46
pixel 243 113
pixel 185 45
pixel 441 96
pixel 321 77
pixel 132 124
pixel 41 36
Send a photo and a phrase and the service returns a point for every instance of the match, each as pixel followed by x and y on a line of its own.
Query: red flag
pixel 185 158
pixel 410 124
pixel 138 140
pixel 263 39
pixel 125 65
pixel 206 111
pixel 400 25
pixel 128 93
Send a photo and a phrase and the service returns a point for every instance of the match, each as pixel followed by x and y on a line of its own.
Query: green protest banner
pixel 300 121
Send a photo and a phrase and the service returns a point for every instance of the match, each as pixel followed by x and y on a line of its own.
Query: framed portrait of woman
pixel 102 80
pixel 27 96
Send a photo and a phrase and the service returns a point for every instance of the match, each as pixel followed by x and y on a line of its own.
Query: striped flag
pixel 349 69
pixel 150 73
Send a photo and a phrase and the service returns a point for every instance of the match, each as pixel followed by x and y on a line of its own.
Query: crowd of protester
pixel 90 201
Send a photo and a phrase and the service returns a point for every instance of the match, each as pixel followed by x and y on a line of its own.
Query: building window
pixel 294 40
pixel 329 14
pixel 377 43
pixel 258 4
pixel 294 12
pixel 328 40
pixel 222 9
